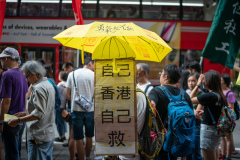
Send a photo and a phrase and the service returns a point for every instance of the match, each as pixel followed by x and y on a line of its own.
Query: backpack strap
pixel 166 92
pixel 214 122
pixel 51 82
pixel 228 93
pixel 182 91
pixel 146 89
pixel 146 114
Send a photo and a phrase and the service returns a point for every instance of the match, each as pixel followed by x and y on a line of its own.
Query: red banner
pixel 2 13
pixel 77 4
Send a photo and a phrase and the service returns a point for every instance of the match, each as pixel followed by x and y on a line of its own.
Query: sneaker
pixel 58 139
pixel 222 157
pixel 65 144
pixel 234 152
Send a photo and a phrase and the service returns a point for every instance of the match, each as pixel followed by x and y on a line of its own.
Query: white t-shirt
pixel 62 89
pixel 84 79
pixel 143 87
pixel 141 112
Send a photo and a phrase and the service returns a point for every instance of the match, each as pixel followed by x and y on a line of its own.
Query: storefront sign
pixel 41 30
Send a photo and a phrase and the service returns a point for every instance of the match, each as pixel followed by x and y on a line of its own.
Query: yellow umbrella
pixel 115 40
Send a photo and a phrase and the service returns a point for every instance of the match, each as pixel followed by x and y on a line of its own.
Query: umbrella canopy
pixel 115 40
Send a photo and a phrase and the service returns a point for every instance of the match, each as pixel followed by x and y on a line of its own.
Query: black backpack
pixel 236 106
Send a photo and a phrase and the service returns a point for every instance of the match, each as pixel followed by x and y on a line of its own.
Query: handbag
pixel 65 115
pixel 81 100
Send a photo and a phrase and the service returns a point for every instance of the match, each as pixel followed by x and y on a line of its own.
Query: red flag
pixel 77 4
pixel 2 13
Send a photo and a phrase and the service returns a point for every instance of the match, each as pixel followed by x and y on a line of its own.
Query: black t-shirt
pixel 162 101
pixel 210 100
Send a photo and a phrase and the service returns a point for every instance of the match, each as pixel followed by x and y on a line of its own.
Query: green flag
pixel 223 41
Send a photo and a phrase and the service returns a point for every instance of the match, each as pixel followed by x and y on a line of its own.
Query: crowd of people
pixel 28 92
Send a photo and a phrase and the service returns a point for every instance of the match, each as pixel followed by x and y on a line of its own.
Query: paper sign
pixel 7 117
pixel 115 108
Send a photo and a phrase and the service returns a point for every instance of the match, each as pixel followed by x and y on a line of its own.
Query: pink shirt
pixel 231 96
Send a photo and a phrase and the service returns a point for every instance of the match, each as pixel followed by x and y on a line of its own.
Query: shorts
pixel 70 118
pixel 208 139
pixel 79 119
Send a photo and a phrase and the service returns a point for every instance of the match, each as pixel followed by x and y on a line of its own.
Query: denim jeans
pixel 10 137
pixel 60 122
pixel 164 156
pixel 20 137
pixel 196 154
pixel 41 151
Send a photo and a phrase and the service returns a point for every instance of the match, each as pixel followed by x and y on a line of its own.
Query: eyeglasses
pixel 27 76
pixel 161 74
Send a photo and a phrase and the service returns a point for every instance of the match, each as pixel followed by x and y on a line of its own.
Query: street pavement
pixel 62 153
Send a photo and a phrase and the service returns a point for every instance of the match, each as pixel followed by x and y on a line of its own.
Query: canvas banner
pixel 115 108
pixel 77 4
pixel 223 41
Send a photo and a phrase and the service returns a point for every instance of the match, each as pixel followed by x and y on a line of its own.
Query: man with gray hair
pixel 40 113
pixel 13 89
pixel 143 71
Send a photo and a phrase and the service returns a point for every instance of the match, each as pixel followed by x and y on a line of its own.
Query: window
pixel 11 8
pixel 38 8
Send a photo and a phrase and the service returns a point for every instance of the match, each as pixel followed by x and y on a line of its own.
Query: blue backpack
pixel 57 94
pixel 179 141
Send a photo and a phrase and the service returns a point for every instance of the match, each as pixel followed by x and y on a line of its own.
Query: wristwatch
pixel 198 86
pixel 19 120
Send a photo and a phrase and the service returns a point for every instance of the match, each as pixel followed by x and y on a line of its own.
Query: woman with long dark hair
pixel 192 82
pixel 212 103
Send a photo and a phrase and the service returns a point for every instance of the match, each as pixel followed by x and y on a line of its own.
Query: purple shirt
pixel 14 85
pixel 231 97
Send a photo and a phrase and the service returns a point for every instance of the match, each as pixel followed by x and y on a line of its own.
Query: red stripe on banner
pixel 77 4
pixel 2 13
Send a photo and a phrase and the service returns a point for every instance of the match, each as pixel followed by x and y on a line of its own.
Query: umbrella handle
pixel 115 69
pixel 82 55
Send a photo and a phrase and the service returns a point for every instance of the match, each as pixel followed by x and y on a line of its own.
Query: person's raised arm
pixel 236 68
pixel 195 89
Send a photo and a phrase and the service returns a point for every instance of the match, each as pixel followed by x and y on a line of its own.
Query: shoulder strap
pixel 74 80
pixel 146 89
pixel 214 122
pixel 51 82
pixel 166 92
pixel 228 93
pixel 75 84
pixel 146 114
pixel 182 91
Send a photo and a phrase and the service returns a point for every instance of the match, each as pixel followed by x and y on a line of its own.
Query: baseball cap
pixel 9 52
